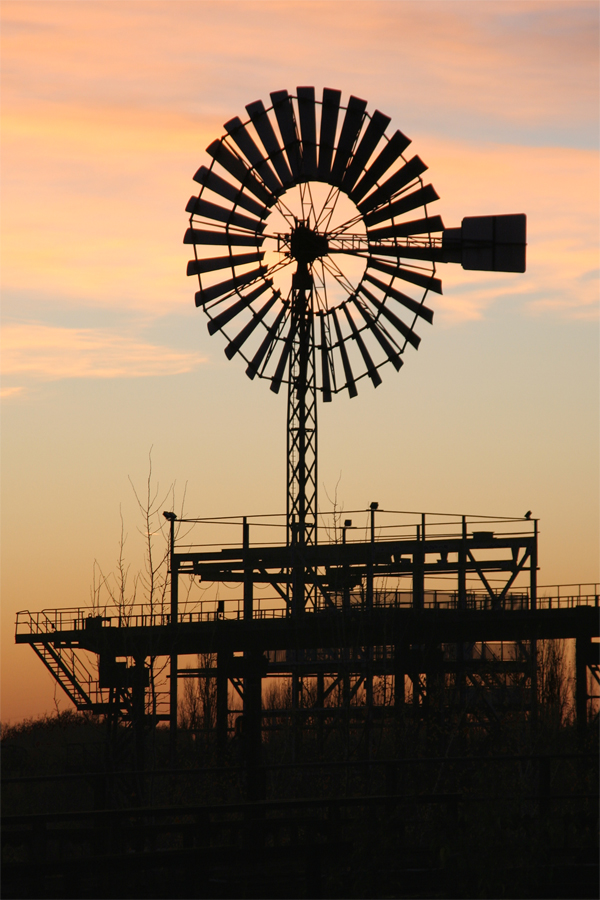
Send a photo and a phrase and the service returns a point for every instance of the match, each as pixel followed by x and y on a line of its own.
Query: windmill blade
pixel 221 238
pixel 228 314
pixel 392 152
pixel 350 383
pixel 308 130
pixel 217 184
pixel 255 364
pixel 262 123
pixel 325 372
pixel 428 225
pixel 284 113
pixel 406 332
pixel 392 354
pixel 198 266
pixel 330 110
pixel 372 136
pixel 353 120
pixel 429 282
pixel 243 139
pixel 415 307
pixel 205 295
pixel 424 195
pixel 413 168
pixel 240 171
pixel 371 368
pixel 233 346
pixel 280 370
pixel 198 207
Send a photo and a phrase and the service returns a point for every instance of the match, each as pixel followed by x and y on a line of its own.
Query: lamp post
pixel 346 598
pixel 373 507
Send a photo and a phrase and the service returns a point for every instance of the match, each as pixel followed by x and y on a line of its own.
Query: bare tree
pixel 334 532
pixel 555 682
pixel 198 706
pixel 154 579
pixel 115 584
pixel 151 585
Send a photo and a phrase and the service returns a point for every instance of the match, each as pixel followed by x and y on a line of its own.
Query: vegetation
pixel 504 811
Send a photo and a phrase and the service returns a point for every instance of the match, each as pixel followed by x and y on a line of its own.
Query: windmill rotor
pixel 312 192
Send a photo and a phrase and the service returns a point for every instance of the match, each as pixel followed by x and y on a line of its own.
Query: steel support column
pixel 302 439
pixel 252 722
pixel 582 657
pixel 173 661
pixel 223 664
pixel 138 714
pixel 533 565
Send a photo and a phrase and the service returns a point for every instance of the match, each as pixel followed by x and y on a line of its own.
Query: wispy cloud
pixel 530 63
pixel 7 392
pixel 103 224
pixel 43 352
pixel 557 188
pixel 102 134
pixel 94 206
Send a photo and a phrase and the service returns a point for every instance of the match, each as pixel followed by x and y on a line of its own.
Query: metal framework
pixel 382 642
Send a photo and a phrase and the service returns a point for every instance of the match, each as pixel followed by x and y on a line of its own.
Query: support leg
pixel 223 657
pixel 582 654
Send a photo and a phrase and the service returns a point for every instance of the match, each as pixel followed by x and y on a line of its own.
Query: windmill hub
pixel 306 245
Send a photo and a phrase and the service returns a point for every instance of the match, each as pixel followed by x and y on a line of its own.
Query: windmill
pixel 315 250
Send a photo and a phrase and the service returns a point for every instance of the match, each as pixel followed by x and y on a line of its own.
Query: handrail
pixel 57 621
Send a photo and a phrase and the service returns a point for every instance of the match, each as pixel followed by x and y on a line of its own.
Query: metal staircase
pixel 70 673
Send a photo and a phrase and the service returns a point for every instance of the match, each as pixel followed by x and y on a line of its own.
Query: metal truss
pixel 302 450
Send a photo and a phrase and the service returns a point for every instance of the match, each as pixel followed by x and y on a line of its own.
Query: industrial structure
pixel 425 616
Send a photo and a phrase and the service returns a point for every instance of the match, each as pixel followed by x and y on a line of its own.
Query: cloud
pixel 7 392
pixel 105 124
pixel 49 353
pixel 93 208
pixel 531 64
pixel 557 188
pixel 104 225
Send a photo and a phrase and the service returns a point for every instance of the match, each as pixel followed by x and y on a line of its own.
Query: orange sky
pixel 107 109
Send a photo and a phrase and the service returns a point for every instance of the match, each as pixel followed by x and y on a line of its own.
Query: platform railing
pixel 567 596
pixel 55 621
pixel 199 535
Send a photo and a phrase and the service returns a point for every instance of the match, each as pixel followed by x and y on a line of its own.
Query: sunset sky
pixel 107 110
